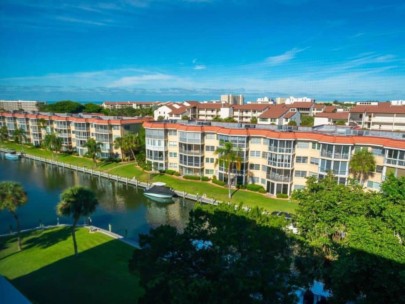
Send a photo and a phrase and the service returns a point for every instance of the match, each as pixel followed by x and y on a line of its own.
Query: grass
pixel 47 272
pixel 129 170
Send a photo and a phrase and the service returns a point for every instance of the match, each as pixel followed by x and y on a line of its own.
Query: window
pixel 254 180
pixel 255 153
pixel 254 166
pixel 210 136
pixel 263 181
pixel 172 154
pixel 300 173
pixel 373 185
pixel 264 155
pixel 316 146
pixel 255 140
pixel 172 143
pixel 301 160
pixel 115 127
pixel 209 148
pixel 173 165
pixel 172 132
pixel 314 161
pixel 379 169
pixel 303 145
pixel 266 142
pixel 209 160
pixel 378 151
pixel 209 171
pixel 298 187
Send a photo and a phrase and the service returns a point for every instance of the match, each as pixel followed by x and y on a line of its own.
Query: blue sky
pixel 200 49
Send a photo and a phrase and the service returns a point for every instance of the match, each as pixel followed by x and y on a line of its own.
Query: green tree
pixel 3 134
pixel 362 165
pixel 160 118
pixel 340 123
pixel 20 136
pixel 354 234
pixel 223 256
pixel 64 106
pixel 92 108
pixel 307 121
pixel 229 158
pixel 52 143
pixel 12 196
pixel 253 120
pixel 185 117
pixel 93 149
pixel 292 123
pixel 76 202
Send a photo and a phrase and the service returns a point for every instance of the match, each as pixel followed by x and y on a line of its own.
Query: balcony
pixel 281 150
pixel 334 155
pixel 279 178
pixel 280 164
pixel 102 131
pixel 191 152
pixel 192 164
pixel 335 172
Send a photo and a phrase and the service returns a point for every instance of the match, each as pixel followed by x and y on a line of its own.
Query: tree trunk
pixel 18 231
pixel 74 236
pixel 133 154
pixel 229 184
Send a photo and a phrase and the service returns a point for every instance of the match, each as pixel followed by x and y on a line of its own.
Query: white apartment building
pixel 382 116
pixel 74 130
pixel 20 105
pixel 232 99
pixel 279 161
pixel 129 104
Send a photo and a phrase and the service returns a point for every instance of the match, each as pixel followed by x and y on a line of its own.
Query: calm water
pixel 121 206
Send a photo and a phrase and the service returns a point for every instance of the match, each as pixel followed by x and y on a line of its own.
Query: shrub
pixel 262 190
pixel 170 172
pixel 192 177
pixel 205 179
pixel 176 173
pixel 254 187
pixel 282 195
pixel 218 182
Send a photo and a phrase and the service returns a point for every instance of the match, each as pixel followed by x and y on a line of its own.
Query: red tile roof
pixel 381 108
pixel 330 109
pixel 275 111
pixel 251 107
pixel 301 105
pixel 334 116
pixel 211 106
pixel 324 138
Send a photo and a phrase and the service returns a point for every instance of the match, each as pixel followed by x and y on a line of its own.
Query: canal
pixel 122 207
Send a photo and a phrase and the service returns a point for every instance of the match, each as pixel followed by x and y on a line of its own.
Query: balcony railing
pixel 279 164
pixel 335 172
pixel 280 150
pixel 334 155
pixel 278 178
pixel 191 152
pixel 192 164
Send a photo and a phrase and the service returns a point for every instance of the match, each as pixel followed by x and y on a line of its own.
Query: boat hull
pixel 11 156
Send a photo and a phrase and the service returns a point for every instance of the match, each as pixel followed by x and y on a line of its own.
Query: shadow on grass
pixel 97 275
pixel 47 238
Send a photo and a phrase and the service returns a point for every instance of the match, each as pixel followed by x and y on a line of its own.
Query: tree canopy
pixel 224 255
pixel 307 121
pixel 362 164
pixel 64 106
pixel 12 196
pixel 355 235
pixel 76 202
pixel 229 158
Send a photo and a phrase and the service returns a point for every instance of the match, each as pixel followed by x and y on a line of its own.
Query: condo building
pixel 74 129
pixel 278 160
pixel 20 105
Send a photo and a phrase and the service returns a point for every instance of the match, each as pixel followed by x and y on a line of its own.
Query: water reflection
pixel 122 207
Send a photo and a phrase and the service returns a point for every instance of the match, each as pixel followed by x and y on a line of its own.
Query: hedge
pixel 254 187
pixel 282 195
pixel 194 177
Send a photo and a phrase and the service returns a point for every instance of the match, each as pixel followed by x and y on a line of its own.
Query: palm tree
pixel 229 158
pixel 76 202
pixel 362 165
pixel 19 135
pixel 52 143
pixel 12 196
pixel 93 149
pixel 3 134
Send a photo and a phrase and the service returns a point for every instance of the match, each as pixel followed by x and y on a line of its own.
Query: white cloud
pixel 137 80
pixel 283 58
pixel 200 67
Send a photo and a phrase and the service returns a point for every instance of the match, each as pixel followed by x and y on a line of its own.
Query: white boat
pixel 12 155
pixel 160 192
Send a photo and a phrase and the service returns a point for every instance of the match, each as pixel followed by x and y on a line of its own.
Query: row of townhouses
pixel 278 160
pixel 74 130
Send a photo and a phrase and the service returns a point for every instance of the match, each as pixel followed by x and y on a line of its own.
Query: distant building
pixel 382 116
pixel 331 118
pixel 232 99
pixel 73 129
pixel 20 105
pixel 293 99
pixel 129 104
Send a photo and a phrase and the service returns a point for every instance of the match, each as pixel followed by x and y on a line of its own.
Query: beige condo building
pixel 279 161
pixel 74 129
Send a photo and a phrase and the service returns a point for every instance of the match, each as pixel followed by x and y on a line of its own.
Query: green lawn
pixel 47 272
pixel 129 170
